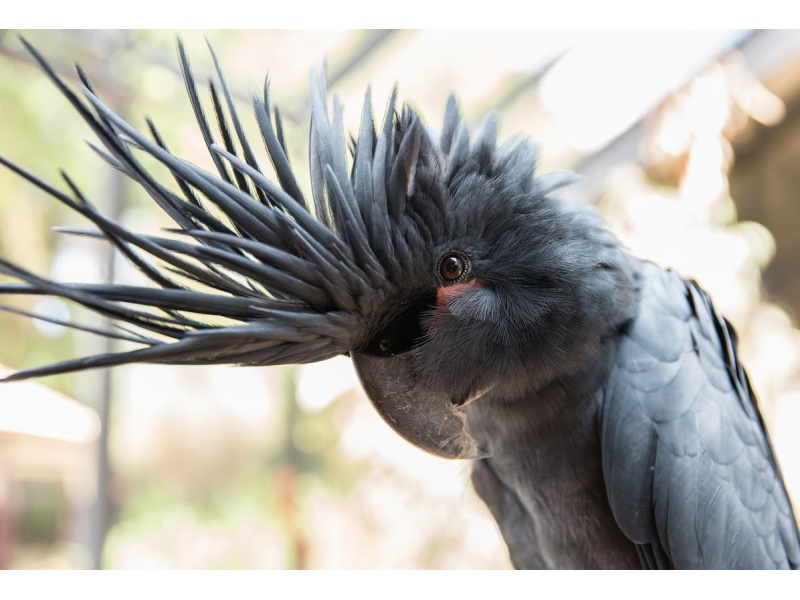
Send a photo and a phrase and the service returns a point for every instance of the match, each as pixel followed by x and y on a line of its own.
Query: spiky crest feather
pixel 294 286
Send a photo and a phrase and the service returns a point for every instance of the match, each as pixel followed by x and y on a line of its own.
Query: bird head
pixel 497 290
pixel 444 268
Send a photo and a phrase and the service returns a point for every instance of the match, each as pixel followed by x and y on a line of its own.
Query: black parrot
pixel 599 396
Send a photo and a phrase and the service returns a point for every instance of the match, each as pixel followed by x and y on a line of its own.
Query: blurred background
pixel 689 142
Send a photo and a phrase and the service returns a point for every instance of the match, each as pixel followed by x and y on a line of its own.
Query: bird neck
pixel 567 405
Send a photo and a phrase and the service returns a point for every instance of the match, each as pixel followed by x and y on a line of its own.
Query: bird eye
pixel 453 266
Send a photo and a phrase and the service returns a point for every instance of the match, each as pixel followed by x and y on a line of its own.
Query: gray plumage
pixel 610 422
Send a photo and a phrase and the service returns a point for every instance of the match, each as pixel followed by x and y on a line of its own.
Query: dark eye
pixel 453 266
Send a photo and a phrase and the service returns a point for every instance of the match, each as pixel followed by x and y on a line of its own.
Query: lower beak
pixel 429 422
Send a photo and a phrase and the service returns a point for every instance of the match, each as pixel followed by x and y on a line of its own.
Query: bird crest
pixel 296 281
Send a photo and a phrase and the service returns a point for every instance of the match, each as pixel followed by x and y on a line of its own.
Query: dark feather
pixel 684 439
pixel 613 421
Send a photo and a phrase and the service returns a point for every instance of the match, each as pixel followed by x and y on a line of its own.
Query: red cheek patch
pixel 443 294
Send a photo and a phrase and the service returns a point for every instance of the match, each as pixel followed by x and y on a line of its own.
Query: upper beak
pixel 430 422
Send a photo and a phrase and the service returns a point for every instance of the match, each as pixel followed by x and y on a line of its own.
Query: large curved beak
pixel 429 422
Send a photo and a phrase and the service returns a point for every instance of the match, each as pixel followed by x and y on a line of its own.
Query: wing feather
pixel 689 468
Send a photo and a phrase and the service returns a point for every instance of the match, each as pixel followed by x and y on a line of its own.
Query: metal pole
pixel 115 197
